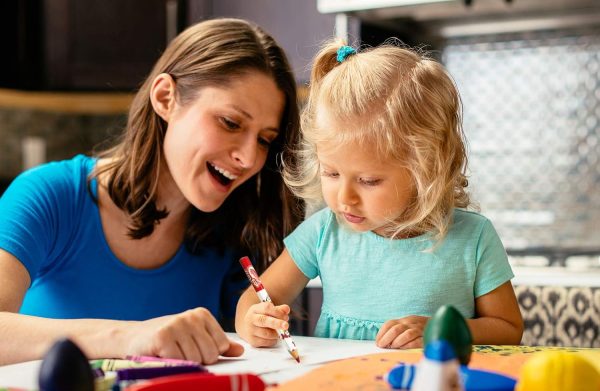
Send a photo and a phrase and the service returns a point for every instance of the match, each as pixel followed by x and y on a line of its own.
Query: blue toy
pixel 402 376
pixel 449 327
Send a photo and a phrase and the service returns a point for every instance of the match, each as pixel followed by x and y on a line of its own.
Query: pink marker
pixel 264 296
pixel 172 361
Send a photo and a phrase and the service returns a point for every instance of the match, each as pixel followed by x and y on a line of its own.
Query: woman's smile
pixel 221 175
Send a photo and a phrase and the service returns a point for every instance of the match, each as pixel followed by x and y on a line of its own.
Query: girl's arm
pixel 192 335
pixel 498 318
pixel 498 322
pixel 258 322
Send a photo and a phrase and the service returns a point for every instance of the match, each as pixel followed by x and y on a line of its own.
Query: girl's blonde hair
pixel 407 107
pixel 260 212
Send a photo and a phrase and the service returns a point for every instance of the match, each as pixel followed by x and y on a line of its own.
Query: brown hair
pixel 404 104
pixel 259 213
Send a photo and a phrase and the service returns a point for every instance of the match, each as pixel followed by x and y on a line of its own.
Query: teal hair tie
pixel 343 53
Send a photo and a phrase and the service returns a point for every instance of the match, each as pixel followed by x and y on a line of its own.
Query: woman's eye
pixel 229 124
pixel 264 142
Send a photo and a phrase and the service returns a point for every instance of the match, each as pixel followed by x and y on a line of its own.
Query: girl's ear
pixel 162 95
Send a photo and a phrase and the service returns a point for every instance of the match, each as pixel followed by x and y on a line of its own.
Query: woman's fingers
pixel 234 350
pixel 190 349
pixel 215 332
pixel 192 335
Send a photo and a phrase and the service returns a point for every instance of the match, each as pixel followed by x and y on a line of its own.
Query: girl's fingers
pixel 405 339
pixel 384 329
pixel 386 340
pixel 414 344
pixel 266 333
pixel 270 316
pixel 283 308
pixel 264 320
pixel 258 342
pixel 267 308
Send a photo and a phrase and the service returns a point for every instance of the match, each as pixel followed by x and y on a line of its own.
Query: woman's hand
pixel 404 333
pixel 191 335
pixel 261 322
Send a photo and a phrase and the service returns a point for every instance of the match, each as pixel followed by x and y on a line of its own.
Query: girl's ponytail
pixel 325 60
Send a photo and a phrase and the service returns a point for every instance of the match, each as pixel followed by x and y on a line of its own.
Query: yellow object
pixel 558 370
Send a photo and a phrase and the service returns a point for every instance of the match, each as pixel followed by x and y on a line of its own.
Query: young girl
pixel 384 148
pixel 135 252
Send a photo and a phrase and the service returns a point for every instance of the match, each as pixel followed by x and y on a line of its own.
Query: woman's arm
pixel 498 318
pixel 192 335
pixel 258 322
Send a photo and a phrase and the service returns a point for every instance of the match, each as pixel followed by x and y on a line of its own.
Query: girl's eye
pixel 370 182
pixel 329 174
pixel 229 124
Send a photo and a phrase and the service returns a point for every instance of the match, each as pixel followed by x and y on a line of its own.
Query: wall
pixel 295 24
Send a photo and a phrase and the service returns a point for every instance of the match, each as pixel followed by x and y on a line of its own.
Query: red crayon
pixel 264 296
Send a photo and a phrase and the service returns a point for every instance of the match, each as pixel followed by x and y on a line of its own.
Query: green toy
pixel 447 324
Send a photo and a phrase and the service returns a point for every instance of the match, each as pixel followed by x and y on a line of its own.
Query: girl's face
pixel 367 193
pixel 221 139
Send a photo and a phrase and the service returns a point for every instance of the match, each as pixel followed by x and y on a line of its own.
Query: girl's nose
pixel 347 195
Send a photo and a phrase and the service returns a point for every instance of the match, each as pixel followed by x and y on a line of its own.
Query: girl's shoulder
pixel 468 216
pixel 321 217
pixel 468 222
pixel 315 225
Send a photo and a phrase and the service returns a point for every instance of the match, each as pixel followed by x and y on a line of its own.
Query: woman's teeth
pixel 220 174
pixel 224 172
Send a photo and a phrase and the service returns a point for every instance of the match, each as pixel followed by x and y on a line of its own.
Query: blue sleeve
pixel 33 213
pixel 303 243
pixel 493 268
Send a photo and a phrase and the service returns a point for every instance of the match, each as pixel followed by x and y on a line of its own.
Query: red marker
pixel 264 296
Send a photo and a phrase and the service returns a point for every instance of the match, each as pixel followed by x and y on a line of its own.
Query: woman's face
pixel 221 139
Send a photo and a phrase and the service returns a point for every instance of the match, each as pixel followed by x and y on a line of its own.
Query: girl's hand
pixel 405 333
pixel 262 321
pixel 191 335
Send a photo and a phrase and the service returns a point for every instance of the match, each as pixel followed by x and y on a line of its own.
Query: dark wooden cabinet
pixel 85 44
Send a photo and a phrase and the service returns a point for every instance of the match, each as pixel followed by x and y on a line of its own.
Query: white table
pixel 274 365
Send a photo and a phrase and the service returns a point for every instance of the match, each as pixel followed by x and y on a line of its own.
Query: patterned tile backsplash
pixel 532 119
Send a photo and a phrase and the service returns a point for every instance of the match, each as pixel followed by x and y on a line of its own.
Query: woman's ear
pixel 162 95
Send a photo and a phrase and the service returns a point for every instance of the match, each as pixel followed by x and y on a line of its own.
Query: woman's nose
pixel 245 153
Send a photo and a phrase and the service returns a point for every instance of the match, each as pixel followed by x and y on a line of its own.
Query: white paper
pixel 312 351
pixel 274 365
pixel 24 375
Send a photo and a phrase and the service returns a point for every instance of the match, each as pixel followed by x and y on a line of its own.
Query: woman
pixel 135 251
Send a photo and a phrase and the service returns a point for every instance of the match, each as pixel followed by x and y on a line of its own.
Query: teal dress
pixel 368 280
